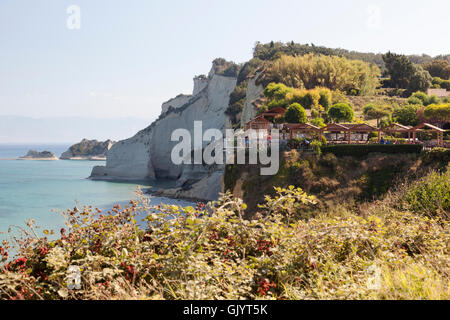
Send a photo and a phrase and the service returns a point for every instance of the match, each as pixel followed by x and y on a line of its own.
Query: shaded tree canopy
pixel 438 68
pixel 404 74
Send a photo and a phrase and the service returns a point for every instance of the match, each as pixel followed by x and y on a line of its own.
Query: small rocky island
pixel 36 155
pixel 88 150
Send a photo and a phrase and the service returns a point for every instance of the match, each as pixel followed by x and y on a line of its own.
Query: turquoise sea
pixel 37 189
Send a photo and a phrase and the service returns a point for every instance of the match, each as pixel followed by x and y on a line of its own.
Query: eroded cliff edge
pixel 147 155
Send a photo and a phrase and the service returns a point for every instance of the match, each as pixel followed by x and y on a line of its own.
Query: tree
pixel 341 112
pixel 438 68
pixel 333 72
pixel 325 99
pixel 318 122
pixel 407 115
pixel 277 91
pixel 400 69
pixel 420 81
pixel 295 114
pixel 404 74
pixel 422 99
pixel 440 112
pixel 378 112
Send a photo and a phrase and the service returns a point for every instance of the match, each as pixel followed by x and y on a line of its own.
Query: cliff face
pixel 254 92
pixel 147 155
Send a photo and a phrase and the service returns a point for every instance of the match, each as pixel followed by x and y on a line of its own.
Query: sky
pixel 129 56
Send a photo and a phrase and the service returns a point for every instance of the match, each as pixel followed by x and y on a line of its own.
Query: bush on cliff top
pixel 430 195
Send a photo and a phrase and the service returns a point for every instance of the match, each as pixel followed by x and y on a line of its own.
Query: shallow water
pixel 36 189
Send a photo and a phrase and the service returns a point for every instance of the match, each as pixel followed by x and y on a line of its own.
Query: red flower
pixel 264 285
pixel 265 246
pixel 43 251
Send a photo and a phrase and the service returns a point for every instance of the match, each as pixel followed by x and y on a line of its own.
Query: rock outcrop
pixel 88 150
pixel 36 155
pixel 147 155
pixel 254 92
pixel 176 102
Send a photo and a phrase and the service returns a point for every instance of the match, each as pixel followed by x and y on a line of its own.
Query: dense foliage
pixel 440 112
pixel 333 72
pixel 273 50
pixel 280 95
pixel 405 74
pixel 422 99
pixel 295 114
pixel 407 115
pixel 438 68
pixel 430 195
pixel 439 83
pixel 225 68
pixel 341 112
pixel 378 112
pixel 213 253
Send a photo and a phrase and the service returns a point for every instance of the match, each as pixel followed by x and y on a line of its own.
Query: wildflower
pixel 264 246
pixel 264 285
pixel 43 251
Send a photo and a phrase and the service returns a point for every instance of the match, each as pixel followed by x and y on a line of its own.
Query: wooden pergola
pixel 274 113
pixel 440 132
pixel 258 123
pixel 348 129
pixel 412 131
pixel 301 128
pixel 396 128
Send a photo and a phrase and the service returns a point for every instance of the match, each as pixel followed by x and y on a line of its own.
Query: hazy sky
pixel 131 55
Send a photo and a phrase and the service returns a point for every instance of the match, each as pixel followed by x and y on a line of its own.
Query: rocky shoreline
pixel 85 158
pixel 173 193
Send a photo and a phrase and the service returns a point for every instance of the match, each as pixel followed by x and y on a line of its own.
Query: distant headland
pixel 36 155
pixel 88 150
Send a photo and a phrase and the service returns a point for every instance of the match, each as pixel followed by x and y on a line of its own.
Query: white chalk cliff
pixel 254 92
pixel 147 155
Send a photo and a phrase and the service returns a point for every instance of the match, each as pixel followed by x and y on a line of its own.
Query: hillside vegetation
pixel 350 178
pixel 354 77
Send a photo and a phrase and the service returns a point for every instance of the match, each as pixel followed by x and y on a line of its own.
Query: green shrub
pixel 325 99
pixel 421 96
pixel 355 150
pixel 430 195
pixel 211 252
pixel 295 114
pixel 440 156
pixel 276 90
pixel 341 112
pixel 317 147
pixel 318 122
pixel 407 115
pixel 415 101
